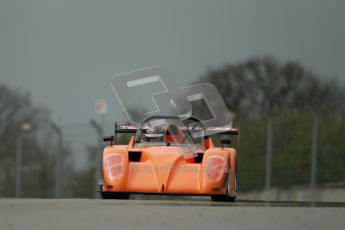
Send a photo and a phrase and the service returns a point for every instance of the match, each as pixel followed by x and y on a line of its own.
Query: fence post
pixel 269 143
pixel 315 135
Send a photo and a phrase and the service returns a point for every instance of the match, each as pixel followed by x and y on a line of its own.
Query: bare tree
pixel 38 147
pixel 263 85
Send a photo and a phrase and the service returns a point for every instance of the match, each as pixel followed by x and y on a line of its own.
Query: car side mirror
pixel 224 140
pixel 109 138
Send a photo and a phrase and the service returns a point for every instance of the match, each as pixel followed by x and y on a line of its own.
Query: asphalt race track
pixel 84 214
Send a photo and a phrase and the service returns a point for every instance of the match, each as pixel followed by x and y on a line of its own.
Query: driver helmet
pixel 155 133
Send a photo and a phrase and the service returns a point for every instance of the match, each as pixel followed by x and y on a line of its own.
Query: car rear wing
pixel 125 129
pixel 226 131
pixel 218 130
pixel 119 129
pixel 221 130
pixel 214 130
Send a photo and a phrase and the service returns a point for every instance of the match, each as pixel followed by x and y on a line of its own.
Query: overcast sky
pixel 65 51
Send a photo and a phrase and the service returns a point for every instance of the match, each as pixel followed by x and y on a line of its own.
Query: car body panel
pixel 165 170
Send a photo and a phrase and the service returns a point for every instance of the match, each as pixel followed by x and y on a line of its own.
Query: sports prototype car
pixel 172 158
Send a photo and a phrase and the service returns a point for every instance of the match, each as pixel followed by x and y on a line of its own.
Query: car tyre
pixel 118 196
pixel 223 198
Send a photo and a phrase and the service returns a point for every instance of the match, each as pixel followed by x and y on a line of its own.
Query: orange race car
pixel 169 159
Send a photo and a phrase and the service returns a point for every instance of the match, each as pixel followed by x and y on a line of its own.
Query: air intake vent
pixel 134 156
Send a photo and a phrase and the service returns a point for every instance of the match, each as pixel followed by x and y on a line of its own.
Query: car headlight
pixel 215 168
pixel 114 165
